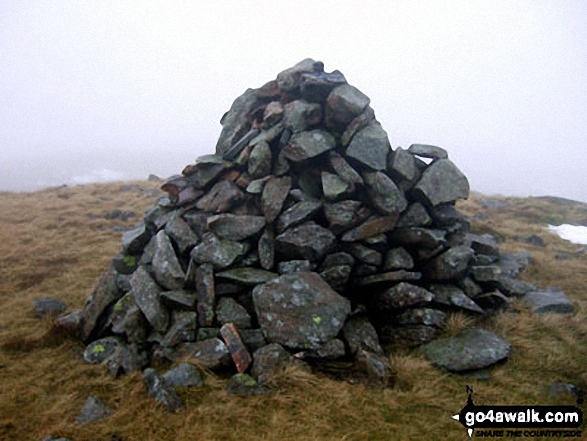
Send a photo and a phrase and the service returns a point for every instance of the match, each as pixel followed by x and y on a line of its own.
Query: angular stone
pixel 222 197
pixel 450 265
pixel 308 144
pixel 331 350
pixel 333 187
pixel 179 299
pixel 376 367
pixel 428 151
pixel 205 295
pixel 274 194
pixel 384 194
pixel 183 375
pixel 483 244
pixel 134 241
pixel 300 115
pixel 210 354
pixel 307 241
pixel 294 266
pixel 413 335
pixel 414 216
pixel 442 182
pixel 266 249
pixel 316 86
pixel 402 165
pixel 183 328
pixel 220 253
pixel 207 333
pixel 446 216
pixel 160 391
pixel 419 237
pixel 181 233
pixel 269 361
pixel 244 385
pixel 450 295
pixel 469 287
pixel 402 295
pixel 514 287
pixel 359 333
pixel 357 124
pixel 297 214
pixel 48 307
pixel 343 104
pixel 473 348
pixel 124 264
pixel 391 276
pixel 370 147
pixel 238 351
pixel 146 295
pixel 229 226
pixel 300 310
pixel 398 258
pixel 344 215
pixel 173 185
pixel 549 302
pixel 488 273
pixel 166 268
pixel 230 311
pixel 93 410
pixel 374 226
pixel 259 164
pixel 100 350
pixel 105 292
pixel 253 339
pixel 71 324
pixel 345 171
pixel 247 276
pixel 337 259
pixel 422 316
pixel 365 254
pixel 127 318
pixel 272 114
pixel 289 79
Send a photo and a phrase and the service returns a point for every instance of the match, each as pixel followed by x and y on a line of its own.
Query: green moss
pixel 317 320
pixel 98 349
pixel 246 380
pixel 129 261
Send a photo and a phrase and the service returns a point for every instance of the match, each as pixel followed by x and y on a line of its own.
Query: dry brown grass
pixel 56 242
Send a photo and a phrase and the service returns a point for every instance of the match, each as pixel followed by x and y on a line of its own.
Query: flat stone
pixel 419 237
pixel 365 254
pixel 473 348
pixel 105 293
pixel 207 333
pixel 229 226
pixel 483 244
pixel 166 267
pixel 211 353
pixel 428 151
pixel 183 375
pixel 390 276
pixel 403 166
pixel 274 194
pixel 307 241
pixel 343 104
pixel 359 333
pixel 147 296
pixel 181 234
pixel 422 316
pixel 134 241
pixel 402 295
pixel 259 163
pixel 47 307
pixel 333 187
pixel 486 273
pixel 414 216
pixel 374 226
pixel 269 361
pixel 345 171
pixel 514 287
pixel 93 410
pixel 160 391
pixel 384 194
pixel 222 197
pixel 229 310
pixel 238 351
pixel 179 299
pixel 257 186
pixel 294 266
pixel 289 79
pixel 205 295
pixel 549 302
pixel 300 311
pixel 247 276
pixel 450 295
pixel 316 86
pixel 398 258
pixel 266 249
pixel 100 350
pixel 308 144
pixel 344 215
pixel 370 147
pixel 376 366
pixel 300 115
pixel 450 265
pixel 297 214
pixel 221 253
pixel 206 170
pixel 442 182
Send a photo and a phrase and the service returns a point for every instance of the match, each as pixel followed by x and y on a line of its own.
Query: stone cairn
pixel 305 235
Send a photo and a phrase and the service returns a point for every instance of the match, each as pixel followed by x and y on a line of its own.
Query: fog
pixel 110 90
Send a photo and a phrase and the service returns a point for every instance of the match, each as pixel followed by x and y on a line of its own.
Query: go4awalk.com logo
pixel 520 421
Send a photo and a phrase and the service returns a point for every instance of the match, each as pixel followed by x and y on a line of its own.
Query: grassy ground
pixel 56 242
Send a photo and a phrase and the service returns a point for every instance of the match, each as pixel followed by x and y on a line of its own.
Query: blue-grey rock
pixel 308 144
pixel 450 265
pixel 181 233
pixel 370 147
pixel 307 241
pixel 166 267
pixel 402 295
pixel 232 227
pixel 221 253
pixel 359 334
pixel 160 391
pixel 551 301
pixel 100 350
pixel 105 293
pixel 247 275
pixel 289 79
pixel 343 104
pixel 428 151
pixel 229 310
pixel 146 295
pixel 442 182
pixel 133 241
pixel 183 375
pixel 221 198
pixel 398 258
pixel 269 361
pixel 300 115
pixel 274 194
pixel 47 307
pixel 93 410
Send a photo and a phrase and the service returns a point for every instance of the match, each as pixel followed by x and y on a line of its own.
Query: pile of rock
pixel 304 234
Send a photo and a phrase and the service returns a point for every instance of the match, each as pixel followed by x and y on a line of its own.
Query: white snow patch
pixel 99 175
pixel 573 233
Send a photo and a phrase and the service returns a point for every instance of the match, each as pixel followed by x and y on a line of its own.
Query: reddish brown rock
pixel 238 351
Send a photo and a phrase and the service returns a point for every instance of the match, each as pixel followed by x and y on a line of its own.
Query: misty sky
pixel 104 90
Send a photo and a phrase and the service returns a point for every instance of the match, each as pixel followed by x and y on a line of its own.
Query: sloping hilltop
pixel 56 242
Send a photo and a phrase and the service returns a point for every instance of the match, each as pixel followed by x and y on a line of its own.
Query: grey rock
pixel 419 237
pixel 514 287
pixel 411 335
pixel 247 276
pixel 182 328
pixel 289 79
pixel 105 293
pixel 376 367
pixel 211 353
pixel 47 307
pixel 166 267
pixel 450 265
pixel 300 310
pixel 487 273
pixel 450 295
pixel 343 104
pixel 373 227
pixel 390 276
pixel 342 216
pixel 220 253
pixel 229 226
pixel 370 147
pixel 207 333
pixel 308 144
pixel 448 217
pixel 100 350
pixel 133 241
pixel 337 276
pixel 414 216
pixel 473 348
pixel 398 258
pixel 183 375
pixel 333 187
pixel 71 324
pixel 205 294
pixel 422 316
pixel 428 151
pixel 533 239
pixel 274 194
pixel 403 166
pixel 181 233
pixel 364 119
pixel 564 388
pixel 124 264
pixel 469 287
pixel 179 299
pixel 244 385
pixel 307 241
pixel 494 204
pixel 297 214
pixel 402 295
pixel 384 194
pixel 146 295
pixel 160 391
pixel 269 361
pixel 337 259
pixel 93 410
pixel 442 182
pixel 345 171
pixel 259 164
pixel 359 334
pixel 229 311
pixel 272 114
pixel 222 197
pixel 266 249
pixel 549 302
pixel 257 186
pixel 316 86
pixel 294 266
pixel 331 350
pixel 483 244
pixel 365 254
pixel 300 115
pixel 253 339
